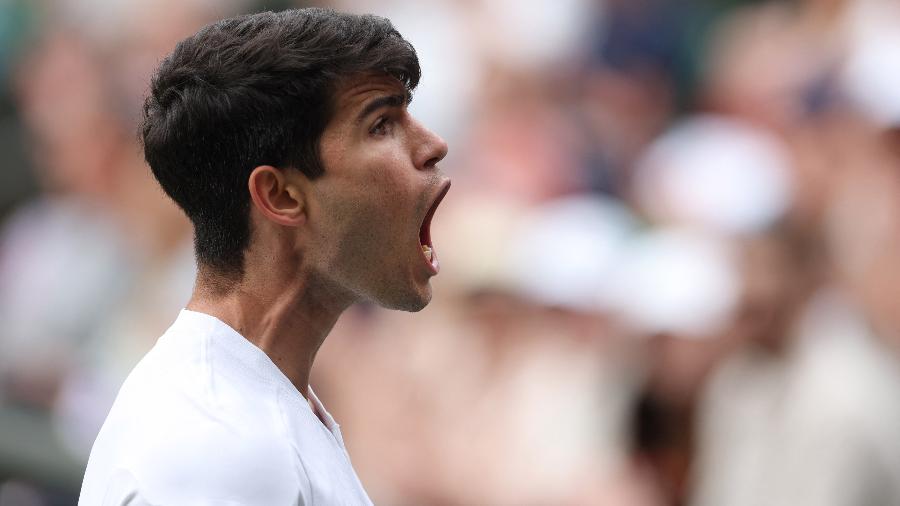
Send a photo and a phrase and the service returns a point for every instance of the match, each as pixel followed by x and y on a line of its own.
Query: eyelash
pixel 380 126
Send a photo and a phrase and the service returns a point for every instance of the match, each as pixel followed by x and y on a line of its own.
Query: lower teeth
pixel 428 252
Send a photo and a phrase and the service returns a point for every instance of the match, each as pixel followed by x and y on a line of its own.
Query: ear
pixel 278 197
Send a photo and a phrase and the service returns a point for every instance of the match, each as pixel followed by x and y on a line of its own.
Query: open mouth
pixel 425 230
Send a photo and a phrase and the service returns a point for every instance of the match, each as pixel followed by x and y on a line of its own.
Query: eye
pixel 382 126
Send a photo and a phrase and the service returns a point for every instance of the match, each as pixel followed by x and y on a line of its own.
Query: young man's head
pixel 287 133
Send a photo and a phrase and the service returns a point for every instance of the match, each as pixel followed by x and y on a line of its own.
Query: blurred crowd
pixel 670 257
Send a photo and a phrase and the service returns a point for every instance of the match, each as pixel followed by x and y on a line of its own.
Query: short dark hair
pixel 255 90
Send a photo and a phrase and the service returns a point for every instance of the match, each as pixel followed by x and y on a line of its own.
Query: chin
pixel 410 302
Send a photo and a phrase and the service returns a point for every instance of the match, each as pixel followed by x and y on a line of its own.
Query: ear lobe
pixel 276 197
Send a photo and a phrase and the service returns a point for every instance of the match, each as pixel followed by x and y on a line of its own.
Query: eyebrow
pixel 383 101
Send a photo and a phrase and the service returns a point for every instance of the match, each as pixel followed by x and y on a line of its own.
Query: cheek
pixel 374 200
pixel 385 166
pixel 390 184
pixel 362 226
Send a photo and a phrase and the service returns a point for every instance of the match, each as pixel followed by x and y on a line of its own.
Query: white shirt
pixel 206 418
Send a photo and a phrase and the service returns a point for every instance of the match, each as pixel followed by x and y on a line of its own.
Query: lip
pixel 425 230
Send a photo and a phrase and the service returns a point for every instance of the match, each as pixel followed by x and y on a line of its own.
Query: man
pixel 286 140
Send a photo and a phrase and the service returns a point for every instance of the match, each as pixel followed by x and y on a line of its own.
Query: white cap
pixel 716 173
pixel 565 253
pixel 871 73
pixel 678 281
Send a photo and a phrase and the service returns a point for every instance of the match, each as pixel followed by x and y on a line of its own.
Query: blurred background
pixel 671 255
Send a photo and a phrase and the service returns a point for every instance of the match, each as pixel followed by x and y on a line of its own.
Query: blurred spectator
pixel 714 173
pixel 721 327
pixel 93 269
pixel 65 235
pixel 522 145
pixel 804 410
pixel 629 85
pixel 17 20
pixel 679 290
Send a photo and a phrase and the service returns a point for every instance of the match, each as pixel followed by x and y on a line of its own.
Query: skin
pixel 352 234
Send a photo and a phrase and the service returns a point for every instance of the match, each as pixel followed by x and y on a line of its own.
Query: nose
pixel 432 149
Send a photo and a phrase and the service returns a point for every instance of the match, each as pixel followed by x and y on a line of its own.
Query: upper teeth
pixel 427 250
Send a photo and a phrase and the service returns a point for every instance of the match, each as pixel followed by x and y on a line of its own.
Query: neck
pixel 286 316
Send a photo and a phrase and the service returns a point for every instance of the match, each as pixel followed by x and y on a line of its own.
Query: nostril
pixel 434 149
